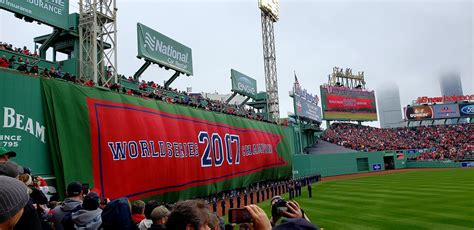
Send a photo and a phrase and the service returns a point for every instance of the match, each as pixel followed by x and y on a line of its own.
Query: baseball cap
pixel 13 197
pixel 10 168
pixel 74 188
pixel 4 151
pixel 159 212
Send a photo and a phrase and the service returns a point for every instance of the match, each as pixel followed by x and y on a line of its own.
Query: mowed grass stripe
pixel 411 200
pixel 415 190
pixel 375 220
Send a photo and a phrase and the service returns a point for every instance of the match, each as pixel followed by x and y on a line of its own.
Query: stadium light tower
pixel 98 41
pixel 270 11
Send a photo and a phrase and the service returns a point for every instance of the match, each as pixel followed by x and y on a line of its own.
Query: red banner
pixel 341 102
pixel 139 152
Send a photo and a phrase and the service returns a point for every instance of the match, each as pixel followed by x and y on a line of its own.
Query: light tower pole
pixel 270 11
pixel 98 41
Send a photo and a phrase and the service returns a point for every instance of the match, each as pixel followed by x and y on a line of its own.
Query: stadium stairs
pixel 323 147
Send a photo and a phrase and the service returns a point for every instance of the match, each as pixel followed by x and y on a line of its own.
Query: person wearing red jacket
pixel 4 62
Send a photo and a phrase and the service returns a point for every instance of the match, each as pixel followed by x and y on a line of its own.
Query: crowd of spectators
pixel 444 142
pixel 147 90
pixel 24 50
pixel 25 203
pixel 153 90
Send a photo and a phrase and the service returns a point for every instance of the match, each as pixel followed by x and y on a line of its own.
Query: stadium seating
pixel 446 142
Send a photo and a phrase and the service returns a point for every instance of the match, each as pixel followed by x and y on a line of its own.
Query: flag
pixel 296 85
pixel 296 79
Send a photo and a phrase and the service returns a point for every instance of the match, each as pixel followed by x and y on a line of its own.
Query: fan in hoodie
pixel 117 216
pixel 71 204
pixel 89 217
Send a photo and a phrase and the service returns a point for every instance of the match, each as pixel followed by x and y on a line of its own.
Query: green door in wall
pixel 362 164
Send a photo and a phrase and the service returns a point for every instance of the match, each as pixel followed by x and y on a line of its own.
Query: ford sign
pixel 466 110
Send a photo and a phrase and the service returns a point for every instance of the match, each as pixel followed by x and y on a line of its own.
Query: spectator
pixel 215 222
pixel 4 62
pixel 149 207
pixel 89 83
pixel 10 169
pixel 23 68
pixel 159 216
pixel 29 218
pixel 89 217
pixel 189 214
pixel 45 73
pixel 26 51
pixel 6 154
pixel 117 215
pixel 138 210
pixel 13 199
pixel 296 224
pixel 36 195
pixel 34 70
pixel 12 60
pixel 71 204
pixel 260 220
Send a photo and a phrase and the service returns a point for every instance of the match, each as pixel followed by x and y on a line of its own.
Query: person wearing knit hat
pixel 13 198
pixel 29 218
pixel 10 169
pixel 6 154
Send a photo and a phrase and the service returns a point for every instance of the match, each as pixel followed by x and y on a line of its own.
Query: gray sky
pixel 407 43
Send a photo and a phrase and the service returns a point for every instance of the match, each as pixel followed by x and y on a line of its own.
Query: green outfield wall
pixel 345 163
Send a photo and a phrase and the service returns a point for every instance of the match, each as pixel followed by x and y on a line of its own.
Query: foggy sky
pixel 407 43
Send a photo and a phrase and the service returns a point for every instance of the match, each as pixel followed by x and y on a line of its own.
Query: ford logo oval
pixel 468 109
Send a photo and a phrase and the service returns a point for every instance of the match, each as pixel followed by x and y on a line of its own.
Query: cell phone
pixel 85 189
pixel 239 215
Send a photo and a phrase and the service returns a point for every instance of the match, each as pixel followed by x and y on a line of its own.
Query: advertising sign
pixel 163 50
pixel 467 164
pixel 376 167
pixel 419 112
pixel 51 12
pixel 466 110
pixel 446 111
pixel 412 151
pixel 306 108
pixel 128 146
pixel 22 123
pixel 340 103
pixel 243 84
pixel 445 99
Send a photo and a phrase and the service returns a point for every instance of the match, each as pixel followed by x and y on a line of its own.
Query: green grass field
pixel 438 199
